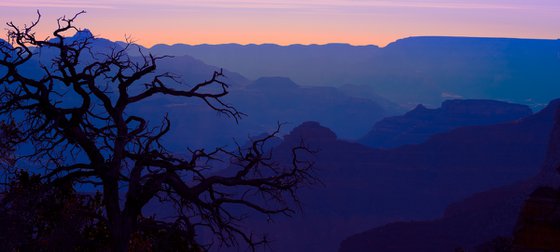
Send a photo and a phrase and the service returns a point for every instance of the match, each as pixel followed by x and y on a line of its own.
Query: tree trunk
pixel 120 227
pixel 121 233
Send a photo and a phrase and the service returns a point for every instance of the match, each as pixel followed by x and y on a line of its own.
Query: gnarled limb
pixel 96 140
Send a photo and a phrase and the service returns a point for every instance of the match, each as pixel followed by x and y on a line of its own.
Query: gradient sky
pixel 357 22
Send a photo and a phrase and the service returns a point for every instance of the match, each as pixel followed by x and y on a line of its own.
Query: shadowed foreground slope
pixel 365 187
pixel 470 223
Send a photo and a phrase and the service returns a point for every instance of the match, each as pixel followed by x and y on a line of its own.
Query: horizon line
pixel 334 43
pixel 138 42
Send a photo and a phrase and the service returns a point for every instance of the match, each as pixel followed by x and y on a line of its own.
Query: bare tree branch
pixel 97 140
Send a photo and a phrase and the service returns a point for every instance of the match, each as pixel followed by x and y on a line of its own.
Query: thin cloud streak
pixel 285 22
pixel 265 4
pixel 54 4
pixel 330 4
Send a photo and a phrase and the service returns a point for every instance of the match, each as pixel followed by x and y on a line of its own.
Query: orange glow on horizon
pixel 365 22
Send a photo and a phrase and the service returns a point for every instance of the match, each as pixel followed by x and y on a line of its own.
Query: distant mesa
pixel 490 108
pixel 486 218
pixel 364 187
pixel 273 99
pixel 274 83
pixel 421 123
pixel 407 72
pixel 311 131
pixel 85 33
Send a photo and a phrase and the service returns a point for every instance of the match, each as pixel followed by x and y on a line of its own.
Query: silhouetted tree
pixel 49 217
pixel 8 136
pixel 75 112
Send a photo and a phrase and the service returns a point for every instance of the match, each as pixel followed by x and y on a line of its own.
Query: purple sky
pixel 295 21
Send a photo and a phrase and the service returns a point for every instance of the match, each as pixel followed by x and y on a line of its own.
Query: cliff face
pixel 479 218
pixel 421 123
pixel 550 173
pixel 363 187
pixel 537 227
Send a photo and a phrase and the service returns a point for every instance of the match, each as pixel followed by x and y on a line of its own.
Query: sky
pixel 357 22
